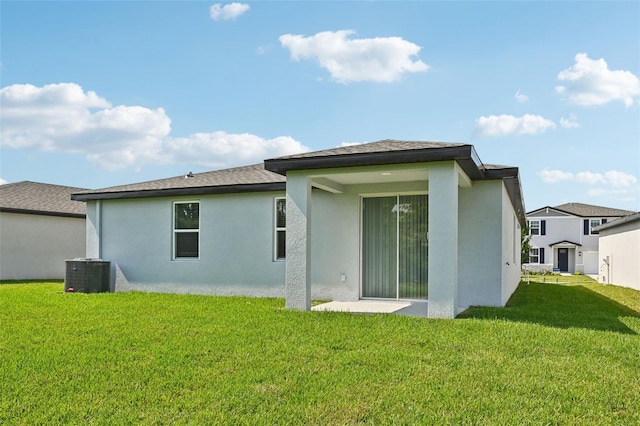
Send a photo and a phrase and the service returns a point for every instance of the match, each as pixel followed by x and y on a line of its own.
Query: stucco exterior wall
pixel 335 246
pixel 480 244
pixel 236 245
pixel 621 245
pixel 511 243
pixel 36 246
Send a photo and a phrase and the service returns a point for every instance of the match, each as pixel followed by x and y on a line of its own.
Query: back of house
pixel 388 220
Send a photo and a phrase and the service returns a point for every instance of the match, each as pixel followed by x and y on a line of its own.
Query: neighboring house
pixel 564 238
pixel 620 251
pixel 40 227
pixel 383 220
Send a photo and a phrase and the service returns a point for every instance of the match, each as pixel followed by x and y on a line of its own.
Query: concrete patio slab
pixel 410 308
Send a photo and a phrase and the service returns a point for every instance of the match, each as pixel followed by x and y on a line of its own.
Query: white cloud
pixel 504 125
pixel 343 144
pixel 65 118
pixel 590 82
pixel 589 178
pixel 521 97
pixel 379 59
pixel 612 178
pixel 553 176
pixel 3 182
pixel 220 149
pixel 218 12
pixel 569 123
pixel 620 179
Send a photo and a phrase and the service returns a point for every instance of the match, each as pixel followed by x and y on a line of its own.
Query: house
pixel 620 251
pixel 564 238
pixel 385 220
pixel 40 227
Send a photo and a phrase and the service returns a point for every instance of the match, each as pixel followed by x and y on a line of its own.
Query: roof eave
pixel 175 192
pixel 42 213
pixel 464 154
pixel 565 242
pixel 623 220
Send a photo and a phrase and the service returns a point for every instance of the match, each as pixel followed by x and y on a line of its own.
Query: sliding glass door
pixel 394 247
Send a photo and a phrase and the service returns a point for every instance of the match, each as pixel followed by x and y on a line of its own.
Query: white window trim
pixel 534 255
pixel 539 221
pixel 179 231
pixel 591 226
pixel 277 229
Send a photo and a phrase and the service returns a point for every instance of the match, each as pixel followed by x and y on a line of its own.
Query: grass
pixel 557 354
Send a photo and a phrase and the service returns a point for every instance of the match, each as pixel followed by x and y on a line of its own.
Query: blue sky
pixel 97 94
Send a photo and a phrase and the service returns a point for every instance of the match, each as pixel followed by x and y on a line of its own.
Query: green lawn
pixel 558 354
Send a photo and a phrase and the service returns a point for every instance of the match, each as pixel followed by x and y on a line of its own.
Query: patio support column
pixel 443 240
pixel 298 243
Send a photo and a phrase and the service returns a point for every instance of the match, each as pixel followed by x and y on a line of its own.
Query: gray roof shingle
pixel 271 175
pixel 587 210
pixel 387 145
pixel 40 198
pixel 215 181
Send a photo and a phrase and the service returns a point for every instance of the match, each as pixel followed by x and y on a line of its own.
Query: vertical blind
pixel 413 247
pixel 395 247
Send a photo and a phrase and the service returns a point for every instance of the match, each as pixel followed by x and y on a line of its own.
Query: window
pixel 534 227
pixel 592 224
pixel 534 255
pixel 537 227
pixel 186 230
pixel 280 235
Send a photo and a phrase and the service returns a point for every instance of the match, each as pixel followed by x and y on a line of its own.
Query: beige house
pixel 40 227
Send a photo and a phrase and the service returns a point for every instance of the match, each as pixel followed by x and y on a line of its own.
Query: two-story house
pixel 564 238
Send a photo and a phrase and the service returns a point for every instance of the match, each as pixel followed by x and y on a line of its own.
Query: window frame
pixel 537 256
pixel 278 229
pixel 591 226
pixel 176 231
pixel 538 228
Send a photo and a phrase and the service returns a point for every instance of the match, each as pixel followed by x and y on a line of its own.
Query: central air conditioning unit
pixel 87 276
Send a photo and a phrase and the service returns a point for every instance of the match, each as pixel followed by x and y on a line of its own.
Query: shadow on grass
pixel 562 306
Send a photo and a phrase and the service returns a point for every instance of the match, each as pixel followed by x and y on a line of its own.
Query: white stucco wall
pixel 236 245
pixel 480 244
pixel 36 246
pixel 621 245
pixel 335 246
pixel 511 244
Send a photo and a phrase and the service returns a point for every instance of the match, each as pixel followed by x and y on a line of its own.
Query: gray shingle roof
pixel 215 181
pixel 588 210
pixel 271 175
pixel 387 145
pixel 40 198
